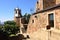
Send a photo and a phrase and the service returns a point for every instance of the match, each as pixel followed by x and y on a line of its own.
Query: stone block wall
pixel 37 24
pixel 57 1
pixel 57 18
pixel 55 34
pixel 43 4
pixel 41 21
pixel 39 5
pixel 48 3
pixel 17 20
pixel 39 35
pixel 45 35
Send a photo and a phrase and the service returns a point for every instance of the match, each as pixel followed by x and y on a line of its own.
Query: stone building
pixel 21 23
pixel 44 24
pixel 47 16
pixel 17 16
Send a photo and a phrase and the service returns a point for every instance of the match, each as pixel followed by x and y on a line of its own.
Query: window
pixel 35 16
pixel 51 20
pixel 32 21
pixel 16 12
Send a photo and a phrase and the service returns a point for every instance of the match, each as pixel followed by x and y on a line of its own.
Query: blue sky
pixel 7 8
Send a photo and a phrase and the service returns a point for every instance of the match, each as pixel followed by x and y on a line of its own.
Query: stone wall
pixel 57 1
pixel 39 21
pixel 48 3
pixel 43 4
pixel 39 5
pixel 45 35
pixel 17 20
pixel 55 35
pixel 57 18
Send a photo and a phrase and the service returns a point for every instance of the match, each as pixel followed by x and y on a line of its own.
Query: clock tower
pixel 17 16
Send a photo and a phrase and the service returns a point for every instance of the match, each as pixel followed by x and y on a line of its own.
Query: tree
pixel 27 17
pixel 9 22
pixel 10 27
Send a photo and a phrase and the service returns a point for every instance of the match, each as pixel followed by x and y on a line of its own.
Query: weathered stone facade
pixel 35 29
pixel 20 22
pixel 38 21
pixel 17 16
pixel 43 4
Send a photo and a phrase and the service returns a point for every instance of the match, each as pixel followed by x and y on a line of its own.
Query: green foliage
pixel 9 22
pixel 0 27
pixel 10 27
pixel 27 17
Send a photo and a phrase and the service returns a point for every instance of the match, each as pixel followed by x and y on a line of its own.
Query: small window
pixel 32 21
pixel 51 20
pixel 35 16
pixel 16 12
